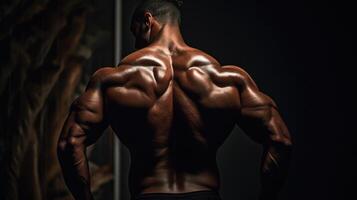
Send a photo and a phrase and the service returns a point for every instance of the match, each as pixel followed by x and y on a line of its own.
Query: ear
pixel 148 19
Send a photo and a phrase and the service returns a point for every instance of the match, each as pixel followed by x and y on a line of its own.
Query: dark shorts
pixel 198 195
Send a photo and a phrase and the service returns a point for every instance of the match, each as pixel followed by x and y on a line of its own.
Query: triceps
pixel 89 117
pixel 263 124
pixel 254 121
pixel 278 130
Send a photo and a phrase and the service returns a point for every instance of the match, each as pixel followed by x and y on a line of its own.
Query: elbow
pixel 282 140
pixel 62 148
pixel 71 144
pixel 287 145
pixel 281 145
pixel 67 147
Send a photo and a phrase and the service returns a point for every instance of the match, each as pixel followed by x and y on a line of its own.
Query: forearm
pixel 274 168
pixel 75 170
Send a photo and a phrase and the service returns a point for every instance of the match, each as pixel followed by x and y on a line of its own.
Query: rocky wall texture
pixel 46 59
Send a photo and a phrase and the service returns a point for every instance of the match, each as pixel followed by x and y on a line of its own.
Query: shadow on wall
pixel 47 50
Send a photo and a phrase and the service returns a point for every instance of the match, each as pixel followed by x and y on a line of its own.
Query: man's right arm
pixel 84 125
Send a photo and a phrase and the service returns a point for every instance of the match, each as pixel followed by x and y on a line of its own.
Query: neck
pixel 169 37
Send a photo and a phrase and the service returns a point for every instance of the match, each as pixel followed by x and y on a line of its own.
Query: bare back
pixel 173 113
pixel 172 106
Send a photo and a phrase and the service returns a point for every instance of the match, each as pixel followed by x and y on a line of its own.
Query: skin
pixel 173 106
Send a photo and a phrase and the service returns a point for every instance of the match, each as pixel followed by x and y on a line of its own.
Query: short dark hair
pixel 163 10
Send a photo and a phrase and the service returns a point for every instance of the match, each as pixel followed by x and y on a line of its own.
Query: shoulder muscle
pixel 251 96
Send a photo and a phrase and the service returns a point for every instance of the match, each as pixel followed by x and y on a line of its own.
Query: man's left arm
pixel 260 120
pixel 84 125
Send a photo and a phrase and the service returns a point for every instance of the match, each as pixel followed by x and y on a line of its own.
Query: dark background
pixel 297 52
pixel 48 51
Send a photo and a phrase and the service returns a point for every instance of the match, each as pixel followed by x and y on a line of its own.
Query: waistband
pixel 201 193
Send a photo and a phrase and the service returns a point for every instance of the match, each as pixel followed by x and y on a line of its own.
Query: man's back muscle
pixel 172 112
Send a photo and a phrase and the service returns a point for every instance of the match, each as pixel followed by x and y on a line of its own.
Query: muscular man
pixel 172 106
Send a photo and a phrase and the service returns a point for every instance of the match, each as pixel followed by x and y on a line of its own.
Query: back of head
pixel 165 11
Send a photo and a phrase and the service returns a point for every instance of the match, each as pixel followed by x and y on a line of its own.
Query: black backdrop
pixel 291 49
